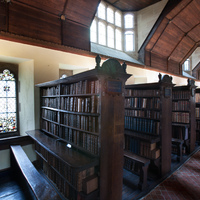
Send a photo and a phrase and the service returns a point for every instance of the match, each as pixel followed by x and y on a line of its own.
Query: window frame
pixel 13 70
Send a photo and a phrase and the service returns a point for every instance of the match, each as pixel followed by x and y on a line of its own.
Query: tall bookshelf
pixel 148 121
pixel 80 140
pixel 183 114
pixel 197 114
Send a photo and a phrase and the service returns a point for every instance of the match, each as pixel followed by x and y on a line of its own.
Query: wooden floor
pixel 11 190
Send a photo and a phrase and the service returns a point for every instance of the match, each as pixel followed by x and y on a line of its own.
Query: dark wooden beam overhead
pixel 175 36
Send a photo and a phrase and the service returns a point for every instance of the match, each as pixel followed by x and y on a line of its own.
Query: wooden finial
pixel 98 60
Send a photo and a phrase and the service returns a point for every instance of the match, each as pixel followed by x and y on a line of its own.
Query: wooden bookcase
pixel 80 141
pixel 183 114
pixel 197 114
pixel 148 120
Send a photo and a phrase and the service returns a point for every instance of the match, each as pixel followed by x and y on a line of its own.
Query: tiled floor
pixel 183 184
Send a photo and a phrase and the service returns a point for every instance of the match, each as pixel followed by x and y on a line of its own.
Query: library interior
pixel 100 100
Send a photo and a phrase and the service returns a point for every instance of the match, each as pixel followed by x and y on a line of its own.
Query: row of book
pixel 181 105
pixel 84 140
pixel 142 148
pixel 81 87
pixel 197 112
pixel 144 125
pixel 50 115
pixel 87 123
pixel 60 167
pixel 180 117
pixel 198 125
pixel 144 103
pixel 50 102
pixel 143 113
pixel 50 127
pixel 76 104
pixel 62 185
pixel 142 93
pixel 50 91
pixel 181 94
pixel 197 97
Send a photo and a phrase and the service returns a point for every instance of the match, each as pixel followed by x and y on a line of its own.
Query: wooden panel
pixel 195 33
pixel 157 34
pixel 81 11
pixel 187 18
pixel 33 23
pixel 182 49
pixel 2 16
pixel 127 5
pixel 177 9
pixel 168 40
pixel 76 35
pixel 173 67
pixel 147 58
pixel 158 61
pixel 51 6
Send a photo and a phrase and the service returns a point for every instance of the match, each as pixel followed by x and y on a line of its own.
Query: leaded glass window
pixel 8 113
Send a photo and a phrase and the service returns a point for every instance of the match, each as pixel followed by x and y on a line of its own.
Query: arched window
pixel 8 103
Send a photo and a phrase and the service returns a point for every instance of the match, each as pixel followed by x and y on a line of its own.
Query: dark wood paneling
pixel 158 61
pixel 178 8
pixel 76 35
pixel 187 18
pixel 33 23
pixel 182 49
pixel 157 34
pixel 51 6
pixel 81 11
pixel 2 16
pixel 173 67
pixel 127 5
pixel 168 40
pixel 195 33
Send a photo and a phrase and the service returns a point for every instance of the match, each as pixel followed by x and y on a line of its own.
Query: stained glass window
pixel 8 114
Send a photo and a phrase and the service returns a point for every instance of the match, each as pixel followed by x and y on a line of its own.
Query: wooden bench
pixel 178 144
pixel 143 164
pixel 39 186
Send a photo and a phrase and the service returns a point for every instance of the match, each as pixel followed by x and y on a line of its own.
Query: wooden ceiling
pixel 131 5
pixel 175 36
pixel 66 23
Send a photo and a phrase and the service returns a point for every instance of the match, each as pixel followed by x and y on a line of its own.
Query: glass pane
pixel 10 89
pixel 129 40
pixel 3 105
pixel 110 37
pixel 7 102
pixel 93 32
pixel 7 122
pixel 110 15
pixel 118 19
pixel 11 105
pixel 102 33
pixel 118 39
pixel 102 11
pixel 128 21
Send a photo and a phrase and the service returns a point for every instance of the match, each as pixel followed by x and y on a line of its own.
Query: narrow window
pixel 118 19
pixel 8 111
pixel 110 34
pixel 118 39
pixel 110 15
pixel 128 21
pixel 129 40
pixel 187 65
pixel 102 11
pixel 102 33
pixel 93 31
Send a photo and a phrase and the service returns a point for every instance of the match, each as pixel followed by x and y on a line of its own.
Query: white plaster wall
pixel 146 18
pixel 26 96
